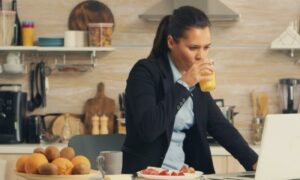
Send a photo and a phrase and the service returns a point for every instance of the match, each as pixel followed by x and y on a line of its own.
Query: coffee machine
pixel 12 113
pixel 289 91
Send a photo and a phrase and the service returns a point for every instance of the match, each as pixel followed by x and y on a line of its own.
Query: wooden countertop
pixel 28 148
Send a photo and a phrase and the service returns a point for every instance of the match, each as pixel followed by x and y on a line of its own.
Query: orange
pixel 81 159
pixel 20 165
pixel 64 166
pixel 34 161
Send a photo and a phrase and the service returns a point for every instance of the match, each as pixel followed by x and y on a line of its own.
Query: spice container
pixel 95 124
pixel 28 33
pixel 103 124
pixel 100 34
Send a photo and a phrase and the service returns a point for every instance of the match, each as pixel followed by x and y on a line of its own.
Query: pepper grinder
pixel 103 124
pixel 95 125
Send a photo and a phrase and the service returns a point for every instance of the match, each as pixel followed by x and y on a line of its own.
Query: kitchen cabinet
pixel 226 164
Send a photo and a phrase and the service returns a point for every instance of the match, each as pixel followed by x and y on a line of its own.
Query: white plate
pixel 195 175
pixel 58 177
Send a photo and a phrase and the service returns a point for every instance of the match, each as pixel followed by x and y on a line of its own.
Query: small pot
pixel 228 112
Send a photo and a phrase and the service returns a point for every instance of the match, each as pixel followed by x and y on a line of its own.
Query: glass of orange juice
pixel 209 85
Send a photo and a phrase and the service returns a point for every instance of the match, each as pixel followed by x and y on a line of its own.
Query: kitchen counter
pixel 28 148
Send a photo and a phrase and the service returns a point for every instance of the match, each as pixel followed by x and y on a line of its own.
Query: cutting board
pixel 59 121
pixel 89 12
pixel 100 105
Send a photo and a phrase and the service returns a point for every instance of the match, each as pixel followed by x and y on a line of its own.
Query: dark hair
pixel 175 25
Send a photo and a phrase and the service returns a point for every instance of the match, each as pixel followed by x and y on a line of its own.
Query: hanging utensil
pixel 31 103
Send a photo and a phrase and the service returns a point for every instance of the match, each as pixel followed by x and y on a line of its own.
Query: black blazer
pixel 152 101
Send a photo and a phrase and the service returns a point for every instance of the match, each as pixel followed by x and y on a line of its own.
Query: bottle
pixel 66 131
pixel 17 38
pixel 27 33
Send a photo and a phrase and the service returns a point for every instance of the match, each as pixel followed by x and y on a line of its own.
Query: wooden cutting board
pixel 89 12
pixel 100 105
pixel 59 121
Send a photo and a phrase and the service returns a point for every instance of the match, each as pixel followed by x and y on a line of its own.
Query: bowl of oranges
pixel 52 163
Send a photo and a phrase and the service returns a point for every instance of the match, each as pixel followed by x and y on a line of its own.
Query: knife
pixel 120 103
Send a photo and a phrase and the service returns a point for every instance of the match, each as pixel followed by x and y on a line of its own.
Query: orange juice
pixel 209 85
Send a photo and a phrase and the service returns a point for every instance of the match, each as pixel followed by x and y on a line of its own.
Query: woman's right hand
pixel 199 71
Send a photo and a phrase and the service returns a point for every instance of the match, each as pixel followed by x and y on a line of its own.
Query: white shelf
pixel 55 49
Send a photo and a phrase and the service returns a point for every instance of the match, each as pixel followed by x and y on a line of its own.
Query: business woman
pixel 167 115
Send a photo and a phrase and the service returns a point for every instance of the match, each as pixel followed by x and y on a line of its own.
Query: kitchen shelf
pixel 55 49
pixel 40 49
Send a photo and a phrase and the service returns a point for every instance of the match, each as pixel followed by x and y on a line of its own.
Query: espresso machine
pixel 12 113
pixel 289 91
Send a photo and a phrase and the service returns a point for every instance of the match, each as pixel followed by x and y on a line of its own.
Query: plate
pixel 89 12
pixel 59 177
pixel 195 175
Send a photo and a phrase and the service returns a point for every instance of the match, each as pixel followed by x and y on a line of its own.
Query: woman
pixel 167 115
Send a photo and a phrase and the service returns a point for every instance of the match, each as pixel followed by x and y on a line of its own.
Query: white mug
pixel 75 38
pixel 13 58
pixel 110 162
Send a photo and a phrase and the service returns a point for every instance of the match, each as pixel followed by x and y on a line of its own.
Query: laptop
pixel 279 157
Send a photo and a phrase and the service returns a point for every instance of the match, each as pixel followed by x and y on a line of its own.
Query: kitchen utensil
pixel 100 105
pixel 38 99
pixel 254 103
pixel 263 105
pixel 289 90
pixel 89 12
pixel 36 129
pixel 75 124
pixel 31 103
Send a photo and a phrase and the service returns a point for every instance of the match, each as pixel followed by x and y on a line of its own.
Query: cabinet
pixel 226 164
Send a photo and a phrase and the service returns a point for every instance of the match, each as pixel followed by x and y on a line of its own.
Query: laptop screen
pixel 279 156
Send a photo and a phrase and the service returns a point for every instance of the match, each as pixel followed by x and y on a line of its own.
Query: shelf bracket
pixel 292 54
pixel 93 58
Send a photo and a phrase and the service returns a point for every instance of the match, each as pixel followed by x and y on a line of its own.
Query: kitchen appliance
pixel 215 9
pixel 12 113
pixel 228 112
pixel 289 91
pixel 36 130
pixel 34 126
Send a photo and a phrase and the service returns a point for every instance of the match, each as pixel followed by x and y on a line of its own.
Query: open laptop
pixel 279 157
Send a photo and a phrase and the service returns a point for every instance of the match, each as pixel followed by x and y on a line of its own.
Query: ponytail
pixel 160 45
pixel 175 25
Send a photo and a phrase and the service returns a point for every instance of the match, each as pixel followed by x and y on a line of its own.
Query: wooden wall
pixel 241 51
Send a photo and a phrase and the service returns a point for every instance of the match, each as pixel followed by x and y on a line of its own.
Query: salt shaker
pixel 103 124
pixel 95 125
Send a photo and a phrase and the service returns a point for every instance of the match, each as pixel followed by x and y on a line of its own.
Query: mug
pixel 110 162
pixel 75 39
pixel 13 58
